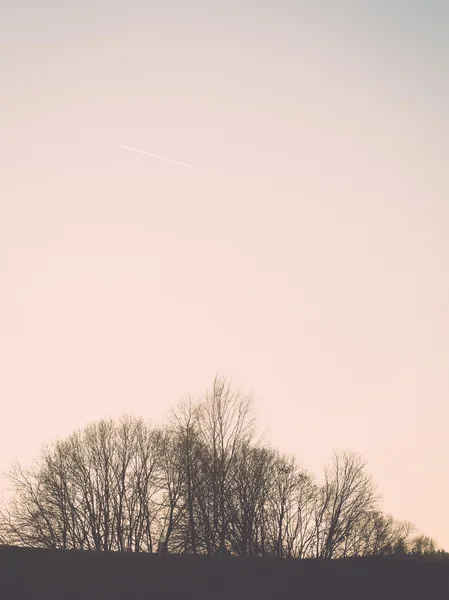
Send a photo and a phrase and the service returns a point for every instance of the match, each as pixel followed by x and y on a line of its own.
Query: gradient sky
pixel 314 270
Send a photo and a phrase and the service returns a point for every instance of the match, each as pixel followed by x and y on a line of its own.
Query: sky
pixel 310 265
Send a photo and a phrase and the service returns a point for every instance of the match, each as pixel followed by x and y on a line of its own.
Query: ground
pixel 53 574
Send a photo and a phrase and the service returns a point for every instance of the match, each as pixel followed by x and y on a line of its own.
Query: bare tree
pixel 202 484
pixel 183 473
pixel 347 495
pixel 290 509
pixel 423 545
pixel 247 496
pixel 381 535
pixel 97 490
pixel 225 424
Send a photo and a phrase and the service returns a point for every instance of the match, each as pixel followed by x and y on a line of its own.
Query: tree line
pixel 201 484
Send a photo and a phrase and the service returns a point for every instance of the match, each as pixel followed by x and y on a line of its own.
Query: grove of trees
pixel 201 484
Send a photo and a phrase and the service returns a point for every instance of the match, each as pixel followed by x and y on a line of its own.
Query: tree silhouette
pixel 202 484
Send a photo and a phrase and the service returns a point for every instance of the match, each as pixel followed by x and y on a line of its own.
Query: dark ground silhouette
pixel 37 574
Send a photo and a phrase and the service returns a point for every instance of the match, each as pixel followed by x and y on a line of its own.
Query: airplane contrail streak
pixel 176 162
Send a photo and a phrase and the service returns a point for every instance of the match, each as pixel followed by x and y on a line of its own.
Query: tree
pixel 202 484
pixel 183 475
pixel 225 425
pixel 344 500
pixel 423 545
pixel 290 508
pixel 97 490
pixel 247 496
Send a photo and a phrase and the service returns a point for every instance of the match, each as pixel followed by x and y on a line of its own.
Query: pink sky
pixel 314 271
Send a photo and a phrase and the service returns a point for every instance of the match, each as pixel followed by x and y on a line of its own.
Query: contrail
pixel 176 162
